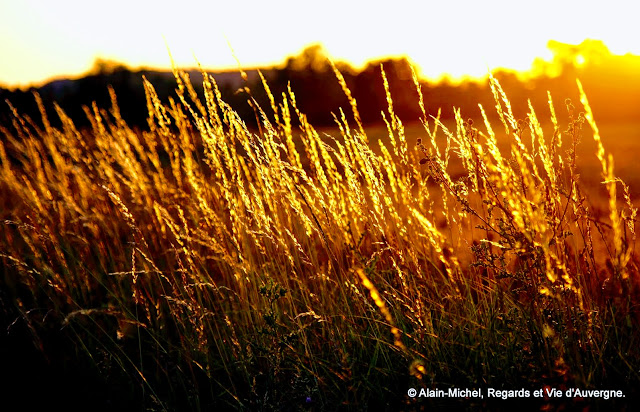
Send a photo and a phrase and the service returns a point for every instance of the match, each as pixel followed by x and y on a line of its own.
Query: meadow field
pixel 201 265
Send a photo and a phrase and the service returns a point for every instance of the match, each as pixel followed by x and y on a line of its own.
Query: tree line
pixel 610 81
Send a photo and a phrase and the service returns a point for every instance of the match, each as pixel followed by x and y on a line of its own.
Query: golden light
pixel 43 39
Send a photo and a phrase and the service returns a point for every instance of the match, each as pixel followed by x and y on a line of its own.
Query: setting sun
pixel 42 39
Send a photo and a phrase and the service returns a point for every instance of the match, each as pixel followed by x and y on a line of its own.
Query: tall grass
pixel 286 269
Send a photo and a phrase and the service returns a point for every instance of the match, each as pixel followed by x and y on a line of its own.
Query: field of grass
pixel 201 265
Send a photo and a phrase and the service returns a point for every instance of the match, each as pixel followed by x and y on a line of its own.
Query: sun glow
pixel 41 39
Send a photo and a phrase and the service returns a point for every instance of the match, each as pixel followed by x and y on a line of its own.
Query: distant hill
pixel 72 94
pixel 611 82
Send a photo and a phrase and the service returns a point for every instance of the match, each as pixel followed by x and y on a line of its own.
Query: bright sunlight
pixel 40 39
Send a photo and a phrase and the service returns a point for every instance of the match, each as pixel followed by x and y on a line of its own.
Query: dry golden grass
pixel 269 267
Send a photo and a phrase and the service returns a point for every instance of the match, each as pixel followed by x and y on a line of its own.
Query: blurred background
pixel 69 51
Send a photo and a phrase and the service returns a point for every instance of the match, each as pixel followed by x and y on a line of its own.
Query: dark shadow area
pixel 50 372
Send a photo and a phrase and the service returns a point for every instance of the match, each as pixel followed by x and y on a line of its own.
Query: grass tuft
pixel 287 269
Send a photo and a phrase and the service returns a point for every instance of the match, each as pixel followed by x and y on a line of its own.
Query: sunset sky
pixel 42 39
